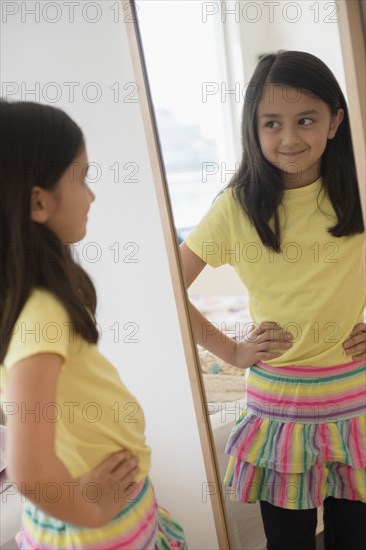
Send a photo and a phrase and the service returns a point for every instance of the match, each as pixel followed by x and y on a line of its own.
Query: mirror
pixel 199 59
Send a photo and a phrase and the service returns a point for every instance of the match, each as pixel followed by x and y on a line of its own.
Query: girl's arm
pixel 32 462
pixel 206 334
pixel 259 341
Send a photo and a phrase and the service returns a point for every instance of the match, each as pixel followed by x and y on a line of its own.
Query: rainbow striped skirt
pixel 141 525
pixel 301 436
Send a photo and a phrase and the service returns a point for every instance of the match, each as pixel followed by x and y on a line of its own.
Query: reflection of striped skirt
pixel 301 437
pixel 141 525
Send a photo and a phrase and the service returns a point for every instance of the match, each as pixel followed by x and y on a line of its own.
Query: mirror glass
pixel 200 57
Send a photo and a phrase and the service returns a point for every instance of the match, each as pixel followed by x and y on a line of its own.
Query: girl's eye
pixel 271 124
pixel 302 123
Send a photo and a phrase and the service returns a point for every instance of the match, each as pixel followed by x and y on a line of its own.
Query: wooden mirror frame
pixel 352 32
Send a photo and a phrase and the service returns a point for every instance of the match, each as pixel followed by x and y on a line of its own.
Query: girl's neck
pixel 289 183
pixel 307 177
pixel 298 185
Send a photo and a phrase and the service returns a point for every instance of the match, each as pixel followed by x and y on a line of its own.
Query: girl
pixel 82 468
pixel 290 224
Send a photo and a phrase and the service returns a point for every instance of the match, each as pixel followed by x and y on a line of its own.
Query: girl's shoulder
pixel 43 325
pixel 226 200
pixel 227 194
pixel 43 304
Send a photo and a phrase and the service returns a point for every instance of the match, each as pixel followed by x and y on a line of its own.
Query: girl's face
pixel 293 129
pixel 64 210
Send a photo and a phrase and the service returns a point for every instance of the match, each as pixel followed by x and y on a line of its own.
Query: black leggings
pixel 344 526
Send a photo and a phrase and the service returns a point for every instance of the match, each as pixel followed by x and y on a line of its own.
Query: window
pixel 185 58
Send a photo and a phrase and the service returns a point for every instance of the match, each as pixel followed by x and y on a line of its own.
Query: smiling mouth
pixel 292 154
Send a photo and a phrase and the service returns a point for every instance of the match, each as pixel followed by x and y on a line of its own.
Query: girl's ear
pixel 335 122
pixel 40 207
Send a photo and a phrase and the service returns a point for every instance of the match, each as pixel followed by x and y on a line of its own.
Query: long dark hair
pixel 258 185
pixel 38 143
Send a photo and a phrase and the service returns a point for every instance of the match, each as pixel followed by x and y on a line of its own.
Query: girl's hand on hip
pixel 260 343
pixel 110 485
pixel 355 345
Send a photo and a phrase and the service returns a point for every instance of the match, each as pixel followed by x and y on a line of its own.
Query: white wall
pixel 91 50
pixel 303 25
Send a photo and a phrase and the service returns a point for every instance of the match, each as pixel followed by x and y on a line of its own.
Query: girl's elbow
pixel 26 475
pixel 23 480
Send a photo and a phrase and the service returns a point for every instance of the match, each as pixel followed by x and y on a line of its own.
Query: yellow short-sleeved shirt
pixel 95 413
pixel 315 288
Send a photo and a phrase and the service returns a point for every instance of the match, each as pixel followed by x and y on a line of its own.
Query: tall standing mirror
pixel 199 58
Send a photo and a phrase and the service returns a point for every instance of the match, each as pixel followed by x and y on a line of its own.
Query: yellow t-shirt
pixel 95 413
pixel 314 288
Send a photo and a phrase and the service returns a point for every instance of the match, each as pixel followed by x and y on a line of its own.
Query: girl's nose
pixel 289 137
pixel 92 196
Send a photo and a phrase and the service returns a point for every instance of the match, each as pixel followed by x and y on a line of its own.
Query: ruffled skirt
pixel 301 436
pixel 142 525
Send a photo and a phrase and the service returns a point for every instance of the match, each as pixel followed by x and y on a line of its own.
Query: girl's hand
pixel 355 345
pixel 110 485
pixel 260 343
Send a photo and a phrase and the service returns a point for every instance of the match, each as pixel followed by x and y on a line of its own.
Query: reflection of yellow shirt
pixel 95 414
pixel 315 288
